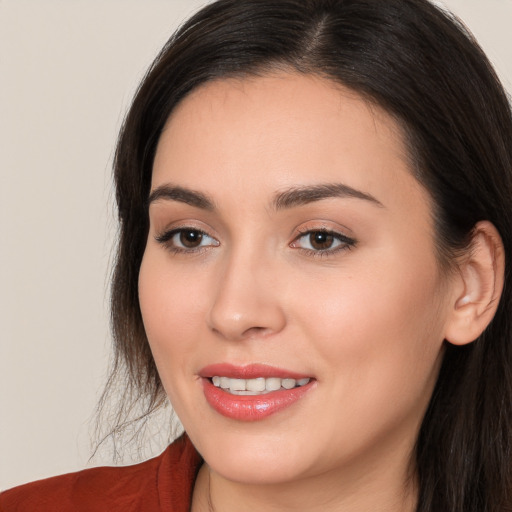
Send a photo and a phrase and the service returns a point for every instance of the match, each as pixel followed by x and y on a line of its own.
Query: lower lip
pixel 251 407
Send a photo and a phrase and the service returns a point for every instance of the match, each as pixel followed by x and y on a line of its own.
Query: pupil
pixel 321 240
pixel 191 238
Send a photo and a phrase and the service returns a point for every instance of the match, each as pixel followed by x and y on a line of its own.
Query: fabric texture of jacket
pixel 162 484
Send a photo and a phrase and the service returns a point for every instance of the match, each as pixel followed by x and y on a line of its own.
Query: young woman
pixel 313 266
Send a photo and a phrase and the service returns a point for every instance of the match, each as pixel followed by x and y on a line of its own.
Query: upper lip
pixel 249 371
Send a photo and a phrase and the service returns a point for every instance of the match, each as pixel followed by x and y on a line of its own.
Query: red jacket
pixel 162 484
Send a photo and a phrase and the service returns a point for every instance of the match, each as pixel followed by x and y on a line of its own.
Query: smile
pixel 257 386
pixel 253 392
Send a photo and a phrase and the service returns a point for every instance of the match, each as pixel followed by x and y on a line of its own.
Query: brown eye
pixel 190 238
pixel 321 240
pixel 186 240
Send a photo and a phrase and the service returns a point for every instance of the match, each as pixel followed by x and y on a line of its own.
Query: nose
pixel 247 299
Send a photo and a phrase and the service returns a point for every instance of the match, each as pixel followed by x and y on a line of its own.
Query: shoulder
pixel 93 490
pixel 130 489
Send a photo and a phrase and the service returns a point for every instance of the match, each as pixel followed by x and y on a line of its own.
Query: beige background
pixel 68 69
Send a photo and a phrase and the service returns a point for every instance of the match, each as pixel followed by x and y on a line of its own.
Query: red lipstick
pixel 251 407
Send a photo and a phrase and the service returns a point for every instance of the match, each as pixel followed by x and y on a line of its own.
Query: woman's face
pixel 288 240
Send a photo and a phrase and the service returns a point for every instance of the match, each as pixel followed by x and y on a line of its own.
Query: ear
pixel 479 285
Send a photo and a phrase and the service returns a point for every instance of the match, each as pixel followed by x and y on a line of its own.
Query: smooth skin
pixel 342 285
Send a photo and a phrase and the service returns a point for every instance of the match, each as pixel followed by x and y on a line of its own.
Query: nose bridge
pixel 246 302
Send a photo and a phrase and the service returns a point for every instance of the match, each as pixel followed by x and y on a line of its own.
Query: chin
pixel 248 471
pixel 254 457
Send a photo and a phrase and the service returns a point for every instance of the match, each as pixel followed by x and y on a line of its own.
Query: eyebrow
pixel 292 197
pixel 182 195
pixel 298 196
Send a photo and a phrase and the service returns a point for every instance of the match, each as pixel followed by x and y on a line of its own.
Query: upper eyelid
pixel 339 231
pixel 323 229
pixel 170 232
pixel 347 241
pixel 165 235
pixel 165 239
pixel 335 233
pixel 178 225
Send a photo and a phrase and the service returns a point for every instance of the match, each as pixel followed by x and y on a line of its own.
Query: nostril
pixel 253 332
pixel 237 313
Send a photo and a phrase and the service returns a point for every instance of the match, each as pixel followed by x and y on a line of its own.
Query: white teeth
pixel 273 384
pixel 256 386
pixel 237 385
pixel 288 383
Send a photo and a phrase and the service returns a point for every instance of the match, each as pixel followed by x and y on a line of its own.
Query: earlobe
pixel 480 280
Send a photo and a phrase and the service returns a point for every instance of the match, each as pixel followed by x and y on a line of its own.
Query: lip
pixel 251 407
pixel 250 371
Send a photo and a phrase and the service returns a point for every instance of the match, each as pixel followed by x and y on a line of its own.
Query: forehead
pixel 239 136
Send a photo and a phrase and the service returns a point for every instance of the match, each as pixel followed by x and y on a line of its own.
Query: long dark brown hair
pixel 423 67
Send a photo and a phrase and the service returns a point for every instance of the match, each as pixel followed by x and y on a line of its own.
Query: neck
pixel 389 489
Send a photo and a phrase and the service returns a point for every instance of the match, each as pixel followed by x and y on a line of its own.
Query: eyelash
pixel 166 240
pixel 345 243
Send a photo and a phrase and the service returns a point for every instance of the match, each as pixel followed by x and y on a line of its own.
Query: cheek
pixel 171 302
pixel 377 338
pixel 382 323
